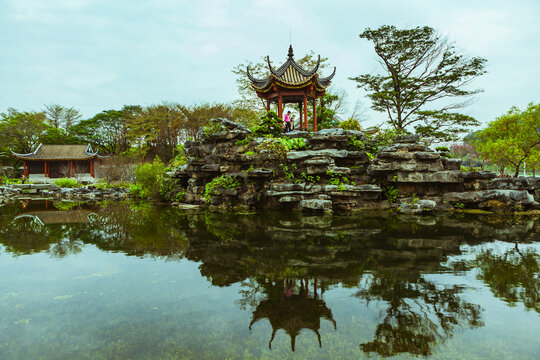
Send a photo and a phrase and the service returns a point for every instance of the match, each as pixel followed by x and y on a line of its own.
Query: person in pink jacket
pixel 287 120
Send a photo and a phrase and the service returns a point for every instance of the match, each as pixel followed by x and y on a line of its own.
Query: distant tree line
pixel 134 130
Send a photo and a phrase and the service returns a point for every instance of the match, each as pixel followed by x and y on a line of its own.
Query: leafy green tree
pixel 154 130
pixel 59 136
pixel 512 138
pixel 421 69
pixel 326 115
pixel 270 124
pixel 21 131
pixel 106 131
pixel 197 116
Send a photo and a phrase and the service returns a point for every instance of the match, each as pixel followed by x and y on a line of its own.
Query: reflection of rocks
pixel 382 254
pixel 291 310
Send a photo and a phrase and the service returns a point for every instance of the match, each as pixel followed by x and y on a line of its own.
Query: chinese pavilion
pixel 291 83
pixel 55 161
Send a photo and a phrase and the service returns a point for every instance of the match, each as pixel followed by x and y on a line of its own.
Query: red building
pixel 57 161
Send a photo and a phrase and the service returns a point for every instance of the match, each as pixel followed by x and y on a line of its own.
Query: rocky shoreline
pixel 51 191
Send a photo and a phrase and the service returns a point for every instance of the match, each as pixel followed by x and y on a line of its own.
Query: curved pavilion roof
pixel 59 152
pixel 291 75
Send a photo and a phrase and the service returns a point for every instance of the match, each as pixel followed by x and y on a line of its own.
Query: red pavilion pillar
pixel 305 113
pixel 92 168
pixel 301 122
pixel 315 114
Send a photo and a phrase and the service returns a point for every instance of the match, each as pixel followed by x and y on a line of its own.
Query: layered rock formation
pixel 335 169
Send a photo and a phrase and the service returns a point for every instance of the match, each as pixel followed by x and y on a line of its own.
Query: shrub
pixel 270 124
pixel 351 124
pixel 242 142
pixel 390 191
pixel 67 183
pixel 150 178
pixel 459 205
pixel 384 138
pixel 136 191
pixel 273 148
pixel 223 182
pixel 180 158
pixel 442 149
pixel 14 181
pixel 293 143
pixel 355 144
pixel 213 128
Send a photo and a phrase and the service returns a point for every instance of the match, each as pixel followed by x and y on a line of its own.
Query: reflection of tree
pixel 25 236
pixel 136 229
pixel 419 314
pixel 66 247
pixel 290 306
pixel 383 257
pixel 512 276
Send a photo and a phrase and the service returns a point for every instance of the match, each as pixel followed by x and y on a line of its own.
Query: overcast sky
pixel 96 55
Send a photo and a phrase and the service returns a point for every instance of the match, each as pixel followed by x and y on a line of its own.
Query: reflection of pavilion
pixel 48 217
pixel 292 310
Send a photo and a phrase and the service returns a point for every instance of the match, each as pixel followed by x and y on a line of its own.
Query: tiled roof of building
pixel 59 152
pixel 291 74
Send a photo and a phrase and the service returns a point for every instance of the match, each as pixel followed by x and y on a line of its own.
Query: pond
pixel 125 280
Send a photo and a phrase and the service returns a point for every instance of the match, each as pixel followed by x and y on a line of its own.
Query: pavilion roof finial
pixel 291 54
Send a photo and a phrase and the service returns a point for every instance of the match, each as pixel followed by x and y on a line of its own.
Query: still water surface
pixel 134 281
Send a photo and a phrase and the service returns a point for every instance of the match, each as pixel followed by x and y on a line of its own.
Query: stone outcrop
pixel 335 169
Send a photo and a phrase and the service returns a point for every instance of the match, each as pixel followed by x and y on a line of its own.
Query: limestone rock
pixel 408 139
pixel 299 155
pixel 316 204
pixel 492 198
pixel 451 164
pixel 427 155
pixel 474 175
pixel 418 207
pixel 430 177
pixel 519 183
